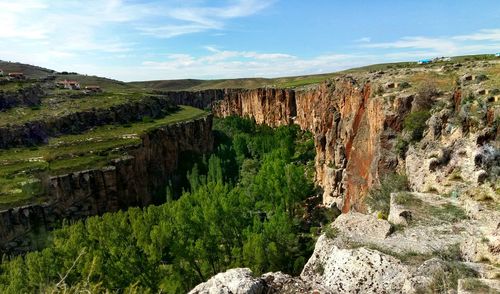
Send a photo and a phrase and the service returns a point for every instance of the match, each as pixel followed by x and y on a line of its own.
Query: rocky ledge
pixel 360 253
pixel 27 96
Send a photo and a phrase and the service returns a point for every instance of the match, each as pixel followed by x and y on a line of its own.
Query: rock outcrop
pixel 38 131
pixel 134 180
pixel 357 270
pixel 360 253
pixel 27 96
pixel 351 127
pixel 233 281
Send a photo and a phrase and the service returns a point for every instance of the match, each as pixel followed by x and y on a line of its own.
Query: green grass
pixel 407 199
pixel 91 149
pixel 475 286
pixel 59 104
pixel 13 86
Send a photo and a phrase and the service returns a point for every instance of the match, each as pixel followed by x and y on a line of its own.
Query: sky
pixel 133 40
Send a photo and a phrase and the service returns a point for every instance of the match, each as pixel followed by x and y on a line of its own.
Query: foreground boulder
pixel 358 226
pixel 234 281
pixel 358 270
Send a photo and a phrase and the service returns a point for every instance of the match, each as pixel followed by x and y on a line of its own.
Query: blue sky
pixel 174 39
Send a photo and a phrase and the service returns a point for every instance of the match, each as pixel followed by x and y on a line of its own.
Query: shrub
pixel 147 119
pixel 495 91
pixel 425 96
pixel 414 123
pixel 379 197
pixel 481 78
pixel 331 232
pixel 401 146
pixel 379 91
pixel 404 85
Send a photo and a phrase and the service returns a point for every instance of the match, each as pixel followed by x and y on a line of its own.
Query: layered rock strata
pixel 133 180
pixel 353 129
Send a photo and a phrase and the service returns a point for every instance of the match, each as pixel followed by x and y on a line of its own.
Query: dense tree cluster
pixel 240 208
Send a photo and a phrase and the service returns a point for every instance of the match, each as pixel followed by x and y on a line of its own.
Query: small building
pixel 497 54
pixel 93 89
pixel 424 61
pixel 16 76
pixel 70 85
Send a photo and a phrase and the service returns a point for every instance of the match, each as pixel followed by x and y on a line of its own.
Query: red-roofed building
pixel 16 76
pixel 71 85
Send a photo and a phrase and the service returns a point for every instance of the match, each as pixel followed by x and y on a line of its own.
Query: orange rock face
pixel 352 131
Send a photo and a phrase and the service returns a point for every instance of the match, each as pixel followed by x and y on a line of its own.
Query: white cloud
pixel 482 35
pixel 481 41
pixel 363 40
pixel 231 64
pixel 194 19
pixel 416 43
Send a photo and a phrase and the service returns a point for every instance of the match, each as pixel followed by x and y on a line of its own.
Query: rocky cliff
pixel 138 179
pixel 38 131
pixel 352 129
pixel 28 96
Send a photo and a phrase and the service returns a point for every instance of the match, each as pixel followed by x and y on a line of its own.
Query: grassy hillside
pixel 246 83
pixel 30 71
pixel 20 168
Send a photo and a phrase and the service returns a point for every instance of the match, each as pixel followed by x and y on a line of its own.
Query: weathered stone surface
pixel 351 130
pixel 281 283
pixel 424 276
pixel 28 96
pixel 481 249
pixel 398 214
pixel 478 286
pixel 233 281
pixel 455 158
pixel 358 226
pixel 357 270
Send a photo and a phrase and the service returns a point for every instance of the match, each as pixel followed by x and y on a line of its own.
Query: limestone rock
pixel 481 249
pixel 398 214
pixel 358 270
pixel 479 286
pixel 358 226
pixel 423 277
pixel 233 281
pixel 279 282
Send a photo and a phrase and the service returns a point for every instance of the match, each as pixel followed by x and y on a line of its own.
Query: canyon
pixel 352 129
pixel 138 179
pixel 362 133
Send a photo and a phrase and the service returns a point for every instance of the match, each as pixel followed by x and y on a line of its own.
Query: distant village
pixel 61 84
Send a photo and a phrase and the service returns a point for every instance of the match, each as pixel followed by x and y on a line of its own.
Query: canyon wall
pixel 138 179
pixel 353 129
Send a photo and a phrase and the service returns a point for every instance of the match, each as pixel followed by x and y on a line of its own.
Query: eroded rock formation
pixel 352 129
pixel 133 180
pixel 28 96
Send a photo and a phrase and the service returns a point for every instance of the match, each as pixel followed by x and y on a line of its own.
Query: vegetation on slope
pixel 240 208
pixel 20 168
